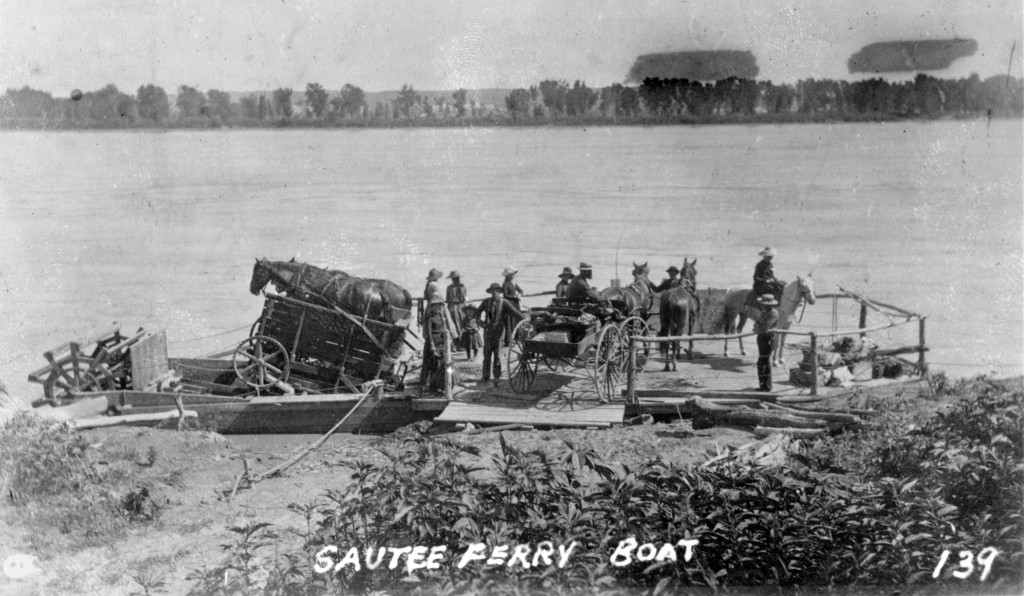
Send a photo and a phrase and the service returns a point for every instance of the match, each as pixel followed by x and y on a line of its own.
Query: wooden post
pixel 863 318
pixel 921 366
pixel 447 360
pixel 631 372
pixel 814 363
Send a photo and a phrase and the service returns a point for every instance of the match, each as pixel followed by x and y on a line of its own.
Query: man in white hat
pixel 455 298
pixel 512 292
pixel 432 371
pixel 763 325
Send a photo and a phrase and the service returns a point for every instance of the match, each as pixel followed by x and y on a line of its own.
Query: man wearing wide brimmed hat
pixel 455 298
pixel 580 290
pixel 672 281
pixel 763 325
pixel 764 274
pixel 432 371
pixel 562 288
pixel 493 314
pixel 512 292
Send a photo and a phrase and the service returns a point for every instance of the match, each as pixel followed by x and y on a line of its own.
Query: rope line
pixel 179 341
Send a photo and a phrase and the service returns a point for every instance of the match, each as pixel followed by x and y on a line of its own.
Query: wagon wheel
pixel 638 327
pixel 261 362
pixel 608 362
pixel 555 364
pixel 77 375
pixel 522 365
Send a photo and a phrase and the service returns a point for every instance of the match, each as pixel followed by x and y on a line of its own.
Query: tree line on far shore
pixel 654 101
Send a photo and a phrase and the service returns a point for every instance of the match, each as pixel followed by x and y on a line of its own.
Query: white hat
pixel 768 252
pixel 510 270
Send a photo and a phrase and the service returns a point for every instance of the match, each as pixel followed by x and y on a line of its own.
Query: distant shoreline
pixel 505 122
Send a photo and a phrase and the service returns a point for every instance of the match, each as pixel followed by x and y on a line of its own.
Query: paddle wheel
pixel 99 362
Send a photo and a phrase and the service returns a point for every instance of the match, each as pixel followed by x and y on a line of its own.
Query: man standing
pixel 563 285
pixel 455 298
pixel 495 311
pixel 766 321
pixel 432 371
pixel 511 292
pixel 672 281
pixel 580 290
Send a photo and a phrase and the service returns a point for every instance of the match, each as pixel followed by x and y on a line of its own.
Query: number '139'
pixel 967 558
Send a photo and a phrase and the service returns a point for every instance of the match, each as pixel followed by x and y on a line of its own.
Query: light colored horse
pixel 793 295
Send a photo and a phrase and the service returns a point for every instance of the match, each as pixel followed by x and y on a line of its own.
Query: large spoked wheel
pixel 261 362
pixel 609 362
pixel 635 326
pixel 77 375
pixel 521 364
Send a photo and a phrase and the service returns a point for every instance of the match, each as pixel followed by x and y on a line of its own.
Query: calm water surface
pixel 161 229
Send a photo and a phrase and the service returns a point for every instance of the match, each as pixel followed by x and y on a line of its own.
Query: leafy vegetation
pixel 61 492
pixel 874 509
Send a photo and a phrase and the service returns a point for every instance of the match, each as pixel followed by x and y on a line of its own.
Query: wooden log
pixel 708 412
pixel 764 432
pixel 835 417
pixel 853 411
pixel 503 427
pixel 103 421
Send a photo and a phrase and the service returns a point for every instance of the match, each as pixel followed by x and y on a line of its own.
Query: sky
pixel 379 45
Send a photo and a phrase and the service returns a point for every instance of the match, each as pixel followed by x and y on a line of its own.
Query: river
pixel 160 229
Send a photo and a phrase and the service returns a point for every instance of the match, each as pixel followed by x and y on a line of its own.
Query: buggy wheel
pixel 261 362
pixel 75 375
pixel 638 327
pixel 608 362
pixel 555 364
pixel 522 365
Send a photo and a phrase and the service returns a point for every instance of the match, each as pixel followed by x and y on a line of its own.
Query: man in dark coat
pixel 580 290
pixel 494 311
pixel 563 284
pixel 764 274
pixel 763 325
pixel 672 281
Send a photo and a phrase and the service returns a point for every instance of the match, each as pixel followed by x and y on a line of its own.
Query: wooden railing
pixel 862 330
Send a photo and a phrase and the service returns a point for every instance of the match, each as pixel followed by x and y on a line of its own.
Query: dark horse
pixel 376 299
pixel 679 307
pixel 637 298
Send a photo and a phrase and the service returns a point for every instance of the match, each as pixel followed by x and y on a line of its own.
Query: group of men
pixel 498 314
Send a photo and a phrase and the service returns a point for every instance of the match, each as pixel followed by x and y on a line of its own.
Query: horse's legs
pixel 739 329
pixel 778 346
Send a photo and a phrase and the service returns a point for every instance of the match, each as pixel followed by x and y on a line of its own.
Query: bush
pixel 60 494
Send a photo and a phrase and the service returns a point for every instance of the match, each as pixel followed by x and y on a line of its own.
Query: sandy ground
pixel 193 472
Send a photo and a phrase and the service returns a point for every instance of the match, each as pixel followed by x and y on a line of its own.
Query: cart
pixel 582 336
pixel 304 347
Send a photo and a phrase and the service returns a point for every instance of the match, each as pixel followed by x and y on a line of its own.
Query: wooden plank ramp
pixel 546 412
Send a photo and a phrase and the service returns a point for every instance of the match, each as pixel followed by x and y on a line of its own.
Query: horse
pixel 679 306
pixel 376 299
pixel 736 305
pixel 637 298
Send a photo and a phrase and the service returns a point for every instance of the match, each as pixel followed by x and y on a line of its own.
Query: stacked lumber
pixel 771 418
